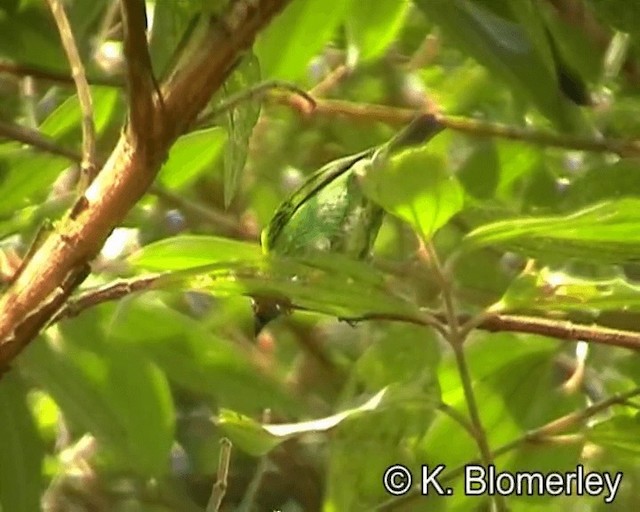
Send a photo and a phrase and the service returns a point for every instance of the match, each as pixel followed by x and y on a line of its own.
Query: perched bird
pixel 330 213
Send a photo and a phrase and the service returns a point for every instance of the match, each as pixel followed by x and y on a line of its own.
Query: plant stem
pixel 456 337
pixel 220 486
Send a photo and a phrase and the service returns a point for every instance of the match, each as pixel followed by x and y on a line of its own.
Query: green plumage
pixel 330 213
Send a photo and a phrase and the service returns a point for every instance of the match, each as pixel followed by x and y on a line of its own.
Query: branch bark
pixel 38 292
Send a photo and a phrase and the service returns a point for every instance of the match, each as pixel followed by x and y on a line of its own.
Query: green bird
pixel 330 213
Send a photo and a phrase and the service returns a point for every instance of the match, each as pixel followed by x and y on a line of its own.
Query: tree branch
pixel 492 322
pixel 397 116
pixel 22 70
pixel 140 80
pixel 127 174
pixel 37 140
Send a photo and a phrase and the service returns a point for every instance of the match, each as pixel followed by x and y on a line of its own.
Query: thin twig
pixel 456 341
pixel 493 322
pixel 331 81
pixel 249 500
pixel 36 140
pixel 89 164
pixel 458 417
pixel 39 73
pixel 254 92
pixel 220 486
pixel 395 116
pixel 109 292
pixel 216 218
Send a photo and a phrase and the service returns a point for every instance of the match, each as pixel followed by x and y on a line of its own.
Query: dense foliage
pixel 501 295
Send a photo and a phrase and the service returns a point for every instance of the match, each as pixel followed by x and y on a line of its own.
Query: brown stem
pixel 89 161
pixel 35 139
pixel 396 116
pixel 20 70
pixel 130 170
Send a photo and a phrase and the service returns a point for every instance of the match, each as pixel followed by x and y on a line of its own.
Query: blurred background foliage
pixel 123 406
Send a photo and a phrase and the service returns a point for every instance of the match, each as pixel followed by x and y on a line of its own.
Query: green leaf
pixel 195 358
pixel 549 290
pixel 191 155
pixel 383 437
pixel 27 38
pixel 623 16
pixel 26 176
pixel 328 284
pixel 620 433
pixel 67 117
pixel 416 187
pixel 171 20
pixel 108 390
pixel 372 26
pixel 258 439
pixel 140 395
pixel 403 353
pixel 240 122
pixel 479 174
pixel 21 450
pixel 516 383
pixel 186 251
pixel 28 220
pixel 75 380
pixel 606 231
pixel 506 49
pixel 286 47
pixel 331 284
pixel 602 182
pixel 484 365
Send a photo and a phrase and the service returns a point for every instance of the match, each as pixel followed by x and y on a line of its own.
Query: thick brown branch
pixel 140 79
pixel 127 174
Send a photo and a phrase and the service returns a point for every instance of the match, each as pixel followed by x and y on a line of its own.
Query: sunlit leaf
pixel 416 187
pixel 619 433
pixel 185 251
pixel 295 36
pixel 108 391
pixel 191 155
pixel 28 176
pixel 385 436
pixel 372 26
pixel 258 439
pixel 331 285
pixel 240 122
pixel 606 231
pixel 68 116
pixel 548 290
pixel 140 394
